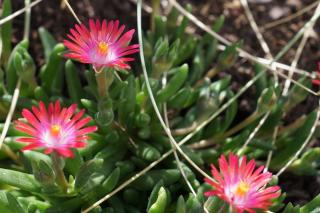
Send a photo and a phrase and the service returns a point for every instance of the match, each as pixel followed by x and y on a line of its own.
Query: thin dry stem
pixel 166 120
pixel 131 141
pixel 72 11
pixel 274 138
pixel 254 132
pixel 19 12
pixel 186 130
pixel 183 141
pixel 299 84
pixel 259 36
pixel 255 28
pixel 176 155
pixel 305 143
pixel 288 81
pixel 165 116
pixel 11 111
pixel 153 102
pixel 129 181
pixel 285 67
pixel 263 61
pixel 298 54
pixel 290 17
pixel 242 52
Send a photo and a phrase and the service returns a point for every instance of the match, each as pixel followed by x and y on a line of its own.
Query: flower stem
pixel 104 79
pixel 102 84
pixel 57 162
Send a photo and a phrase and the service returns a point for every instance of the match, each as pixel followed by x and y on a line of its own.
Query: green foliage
pixel 6 32
pixel 159 205
pixel 186 72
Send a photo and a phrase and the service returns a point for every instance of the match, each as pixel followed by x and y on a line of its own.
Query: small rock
pixel 278 12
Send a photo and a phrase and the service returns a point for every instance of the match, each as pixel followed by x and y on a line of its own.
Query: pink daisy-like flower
pixel 241 185
pixel 101 45
pixel 54 129
pixel 317 80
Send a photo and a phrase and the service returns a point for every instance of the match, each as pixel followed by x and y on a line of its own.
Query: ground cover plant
pixel 146 118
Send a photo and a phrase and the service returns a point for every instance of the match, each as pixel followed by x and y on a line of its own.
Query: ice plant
pixel 103 44
pixel 54 129
pixel 241 185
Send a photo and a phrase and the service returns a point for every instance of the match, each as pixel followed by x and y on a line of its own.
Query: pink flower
pixel 101 45
pixel 241 185
pixel 317 80
pixel 54 129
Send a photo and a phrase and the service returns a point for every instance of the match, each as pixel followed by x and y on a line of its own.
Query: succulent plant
pixel 180 101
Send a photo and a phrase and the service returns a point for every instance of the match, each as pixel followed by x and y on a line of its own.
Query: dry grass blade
pixel 200 126
pixel 296 155
pixel 166 120
pixel 241 51
pixel 71 10
pixel 19 12
pixel 128 182
pixel 290 17
pixel 285 91
pixel 153 101
pixel 10 113
pixel 267 51
pixel 183 141
pixel 254 132
pixel 255 28
pixel 165 116
pixel 285 67
pixel 16 93
pixel 259 36
pixel 274 138
pixel 263 61
pixel 298 54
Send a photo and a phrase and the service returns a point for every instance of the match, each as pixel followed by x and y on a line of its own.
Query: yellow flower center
pixel 103 48
pixel 55 130
pixel 242 189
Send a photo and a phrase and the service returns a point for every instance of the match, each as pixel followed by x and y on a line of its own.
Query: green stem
pixel 57 163
pixel 104 79
pixel 102 83
pixel 33 83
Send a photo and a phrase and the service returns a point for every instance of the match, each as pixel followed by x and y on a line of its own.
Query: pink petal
pixel 30 118
pixel 65 152
pixel 31 146
pixel 87 130
pixel 28 140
